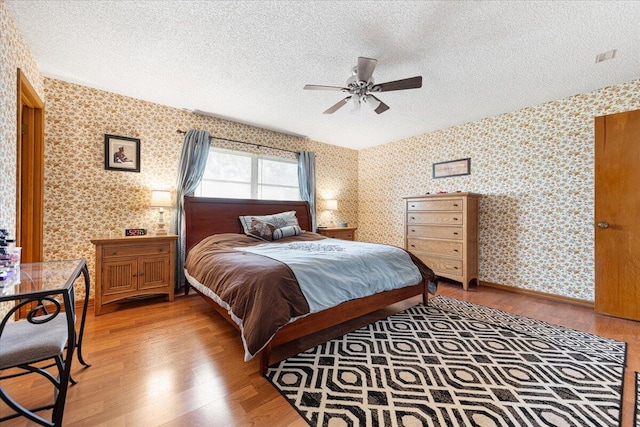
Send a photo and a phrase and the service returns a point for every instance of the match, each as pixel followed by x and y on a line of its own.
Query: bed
pixel 214 221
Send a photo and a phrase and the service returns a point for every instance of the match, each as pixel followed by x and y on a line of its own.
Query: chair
pixel 36 344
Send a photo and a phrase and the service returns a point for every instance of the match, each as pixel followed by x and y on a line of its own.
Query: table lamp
pixel 161 199
pixel 332 205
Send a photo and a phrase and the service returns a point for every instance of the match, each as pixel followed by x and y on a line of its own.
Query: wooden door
pixel 29 174
pixel 617 215
pixel 29 171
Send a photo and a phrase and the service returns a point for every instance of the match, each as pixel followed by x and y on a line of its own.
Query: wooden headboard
pixel 206 216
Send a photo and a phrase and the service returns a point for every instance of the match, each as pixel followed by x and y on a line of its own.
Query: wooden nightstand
pixel 133 266
pixel 344 233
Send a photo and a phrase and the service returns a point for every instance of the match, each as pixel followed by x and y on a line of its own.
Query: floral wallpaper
pixel 533 166
pixel 535 170
pixel 83 200
pixel 14 54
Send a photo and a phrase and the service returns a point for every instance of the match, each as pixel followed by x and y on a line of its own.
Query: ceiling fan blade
pixel 337 106
pixel 320 87
pixel 410 83
pixel 381 108
pixel 365 68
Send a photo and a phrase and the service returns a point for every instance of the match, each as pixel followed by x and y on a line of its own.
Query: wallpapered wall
pixel 14 54
pixel 533 166
pixel 535 169
pixel 82 199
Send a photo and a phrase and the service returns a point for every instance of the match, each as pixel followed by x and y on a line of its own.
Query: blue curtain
pixel 307 181
pixel 193 161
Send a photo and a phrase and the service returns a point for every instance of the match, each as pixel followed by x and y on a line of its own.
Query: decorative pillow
pixel 278 220
pixel 260 229
pixel 288 231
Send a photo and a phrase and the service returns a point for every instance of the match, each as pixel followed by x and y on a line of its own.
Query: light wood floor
pixel 179 364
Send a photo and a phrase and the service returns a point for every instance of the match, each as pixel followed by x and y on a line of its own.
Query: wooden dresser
pixel 344 233
pixel 442 230
pixel 133 266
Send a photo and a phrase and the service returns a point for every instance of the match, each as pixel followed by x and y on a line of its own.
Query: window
pixel 238 175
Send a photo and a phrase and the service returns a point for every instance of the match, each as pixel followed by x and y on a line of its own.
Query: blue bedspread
pixel 332 271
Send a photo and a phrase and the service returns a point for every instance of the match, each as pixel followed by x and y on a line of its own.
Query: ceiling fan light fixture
pixel 361 84
pixel 372 102
pixel 356 103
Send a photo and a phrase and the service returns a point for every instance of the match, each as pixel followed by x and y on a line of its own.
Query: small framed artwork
pixel 452 168
pixel 121 153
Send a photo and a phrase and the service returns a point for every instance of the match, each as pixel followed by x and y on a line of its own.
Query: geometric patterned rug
pixel 637 413
pixel 452 363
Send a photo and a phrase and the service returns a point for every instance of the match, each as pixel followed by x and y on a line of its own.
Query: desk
pixel 41 280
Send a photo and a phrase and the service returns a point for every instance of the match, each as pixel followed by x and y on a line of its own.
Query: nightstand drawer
pixel 435 205
pixel 344 235
pixel 436 247
pixel 444 218
pixel 128 250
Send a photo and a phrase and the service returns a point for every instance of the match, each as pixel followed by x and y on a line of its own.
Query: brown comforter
pixel 255 287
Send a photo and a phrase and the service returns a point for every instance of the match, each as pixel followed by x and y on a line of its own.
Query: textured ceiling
pixel 249 60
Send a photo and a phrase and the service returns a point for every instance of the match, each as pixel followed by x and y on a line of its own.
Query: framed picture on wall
pixel 452 168
pixel 121 153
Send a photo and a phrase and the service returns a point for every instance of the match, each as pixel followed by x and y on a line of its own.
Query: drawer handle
pixel 413 246
pixel 413 217
pixel 455 233
pixel 455 267
pixel 134 275
pixel 455 204
pixel 455 250
pixel 161 249
pixel 413 231
pixel 413 206
pixel 455 219
pixel 114 253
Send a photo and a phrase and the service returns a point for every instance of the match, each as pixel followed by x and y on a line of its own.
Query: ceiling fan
pixel 361 86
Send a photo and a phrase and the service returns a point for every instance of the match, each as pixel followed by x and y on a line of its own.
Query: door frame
pixel 29 171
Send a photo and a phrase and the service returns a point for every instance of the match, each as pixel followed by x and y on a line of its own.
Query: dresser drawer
pixel 444 218
pixel 135 250
pixel 434 205
pixel 443 266
pixel 436 247
pixel 435 231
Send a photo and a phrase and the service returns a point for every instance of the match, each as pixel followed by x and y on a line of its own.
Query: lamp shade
pixel 372 102
pixel 332 205
pixel 160 199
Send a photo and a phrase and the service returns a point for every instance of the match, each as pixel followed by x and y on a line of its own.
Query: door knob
pixel 603 224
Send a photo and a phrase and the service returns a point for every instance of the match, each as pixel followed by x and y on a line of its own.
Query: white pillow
pixel 278 220
pixel 288 231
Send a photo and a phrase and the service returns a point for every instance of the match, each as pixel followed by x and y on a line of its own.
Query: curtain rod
pixel 243 142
